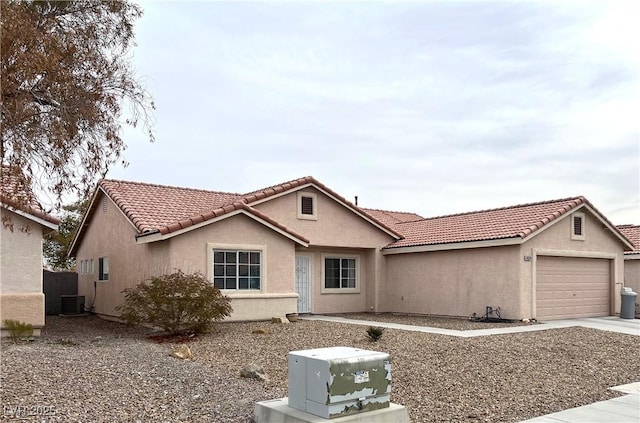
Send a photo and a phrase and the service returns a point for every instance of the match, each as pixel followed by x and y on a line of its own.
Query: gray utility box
pixel 339 381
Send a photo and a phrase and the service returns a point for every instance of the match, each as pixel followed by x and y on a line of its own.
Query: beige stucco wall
pixel 21 270
pixel 454 283
pixel 336 231
pixel 277 295
pixel 632 276
pixel 556 240
pixel 111 235
pixel 336 226
pixel 337 301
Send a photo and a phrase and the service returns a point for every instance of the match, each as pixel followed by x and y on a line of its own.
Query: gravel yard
pixel 435 322
pixel 89 370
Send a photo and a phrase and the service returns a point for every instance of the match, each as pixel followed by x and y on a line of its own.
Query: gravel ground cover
pixel 90 370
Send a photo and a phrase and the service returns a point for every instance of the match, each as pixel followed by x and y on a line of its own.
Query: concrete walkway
pixel 619 410
pixel 611 323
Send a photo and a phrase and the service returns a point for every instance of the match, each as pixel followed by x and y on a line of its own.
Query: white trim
pixel 634 256
pixel 240 247
pixel 157 236
pixel 355 290
pixel 314 199
pixel 453 246
pixel 256 294
pixel 569 254
pixel 31 217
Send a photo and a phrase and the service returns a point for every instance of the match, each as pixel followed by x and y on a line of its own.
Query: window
pixel 236 269
pixel 90 267
pixel 340 273
pixel 103 268
pixel 307 206
pixel 577 226
pixel 83 266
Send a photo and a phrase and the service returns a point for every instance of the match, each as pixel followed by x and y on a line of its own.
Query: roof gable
pixel 514 223
pixel 166 211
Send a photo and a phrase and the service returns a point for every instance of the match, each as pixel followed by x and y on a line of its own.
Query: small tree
pixel 176 302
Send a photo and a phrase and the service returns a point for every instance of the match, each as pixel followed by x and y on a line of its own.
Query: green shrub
pixel 176 302
pixel 18 330
pixel 375 333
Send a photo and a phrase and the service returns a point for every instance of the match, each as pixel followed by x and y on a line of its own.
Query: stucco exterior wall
pixel 556 240
pixel 192 251
pixel 632 277
pixel 335 301
pixel 454 283
pixel 111 235
pixel 336 226
pixel 21 296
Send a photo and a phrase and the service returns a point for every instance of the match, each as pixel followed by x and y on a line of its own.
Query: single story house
pixel 21 260
pixel 301 247
pixel 632 258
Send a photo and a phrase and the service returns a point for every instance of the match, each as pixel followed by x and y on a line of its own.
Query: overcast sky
pixel 430 107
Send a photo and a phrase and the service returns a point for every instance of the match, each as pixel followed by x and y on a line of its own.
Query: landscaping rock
pixel 183 352
pixel 254 371
pixel 280 319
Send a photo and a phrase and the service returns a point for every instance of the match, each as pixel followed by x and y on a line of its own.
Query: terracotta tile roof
pixel 155 208
pixel 15 195
pixel 508 222
pixel 632 232
pixel 391 218
pixel 152 208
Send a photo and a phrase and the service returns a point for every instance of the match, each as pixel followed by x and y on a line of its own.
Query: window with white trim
pixel 103 269
pixel 237 269
pixel 340 272
pixel 307 206
pixel 577 226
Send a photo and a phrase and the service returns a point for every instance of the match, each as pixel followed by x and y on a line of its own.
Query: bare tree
pixel 66 76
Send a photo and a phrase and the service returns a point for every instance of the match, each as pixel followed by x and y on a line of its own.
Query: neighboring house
pixel 21 261
pixel 632 258
pixel 300 246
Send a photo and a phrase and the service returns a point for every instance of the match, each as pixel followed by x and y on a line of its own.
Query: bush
pixel 375 333
pixel 18 330
pixel 176 302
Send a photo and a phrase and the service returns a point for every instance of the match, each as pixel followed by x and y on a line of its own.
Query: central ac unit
pixel 72 304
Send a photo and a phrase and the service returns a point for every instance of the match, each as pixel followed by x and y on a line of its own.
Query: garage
pixel 570 287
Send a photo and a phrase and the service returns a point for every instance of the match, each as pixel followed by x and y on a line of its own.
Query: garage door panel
pixel 568 287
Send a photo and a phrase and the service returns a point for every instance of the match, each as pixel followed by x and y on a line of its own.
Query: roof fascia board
pixel 31 217
pixel 453 246
pixel 157 236
pixel 632 256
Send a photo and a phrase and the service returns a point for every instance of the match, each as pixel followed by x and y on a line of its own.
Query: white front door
pixel 303 283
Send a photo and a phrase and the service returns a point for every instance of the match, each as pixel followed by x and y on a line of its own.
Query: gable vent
pixel 577 225
pixel 307 205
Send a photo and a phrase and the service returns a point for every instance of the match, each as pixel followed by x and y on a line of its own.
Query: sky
pixel 433 107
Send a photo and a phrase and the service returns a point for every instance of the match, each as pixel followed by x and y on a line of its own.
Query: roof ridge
pixel 628 225
pixel 580 197
pixel 388 211
pixel 167 186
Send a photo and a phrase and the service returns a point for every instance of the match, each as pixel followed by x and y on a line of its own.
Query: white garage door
pixel 568 287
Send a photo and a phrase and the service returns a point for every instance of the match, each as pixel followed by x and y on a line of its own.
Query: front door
pixel 303 283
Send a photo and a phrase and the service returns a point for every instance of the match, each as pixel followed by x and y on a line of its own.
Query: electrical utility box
pixel 339 381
